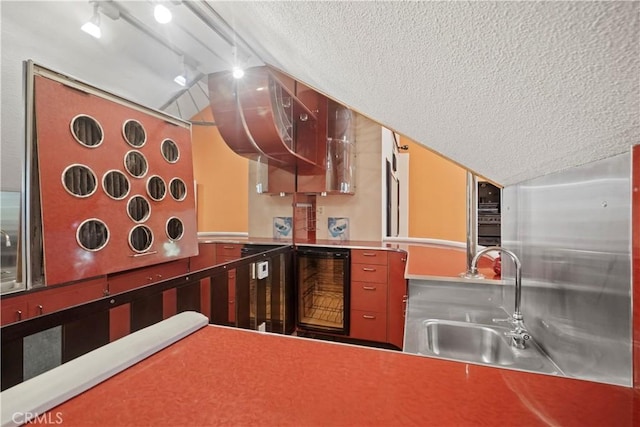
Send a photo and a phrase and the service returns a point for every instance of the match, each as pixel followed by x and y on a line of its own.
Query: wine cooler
pixel 323 290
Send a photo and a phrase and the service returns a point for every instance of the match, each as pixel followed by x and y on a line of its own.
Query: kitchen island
pixel 226 376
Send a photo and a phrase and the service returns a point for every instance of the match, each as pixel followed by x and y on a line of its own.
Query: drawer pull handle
pixel 368 316
pixel 19 314
pixel 369 288
pixel 368 269
pixel 144 254
pixel 40 308
pixel 159 276
pixel 368 254
pixel 228 247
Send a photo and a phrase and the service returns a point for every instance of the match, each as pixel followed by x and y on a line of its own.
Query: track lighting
pixel 181 78
pixel 238 73
pixel 162 14
pixel 92 27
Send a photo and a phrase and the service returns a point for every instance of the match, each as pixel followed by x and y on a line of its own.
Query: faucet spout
pixel 7 239
pixel 519 334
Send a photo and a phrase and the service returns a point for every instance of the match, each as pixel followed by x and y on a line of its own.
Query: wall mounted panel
pixel 115 194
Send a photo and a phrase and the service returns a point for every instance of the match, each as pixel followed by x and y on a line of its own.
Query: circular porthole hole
pixel 134 133
pixel 138 209
pixel 170 151
pixel 175 228
pixel 116 184
pixel 136 164
pixel 79 180
pixel 140 238
pixel 92 235
pixel 87 130
pixel 156 188
pixel 178 189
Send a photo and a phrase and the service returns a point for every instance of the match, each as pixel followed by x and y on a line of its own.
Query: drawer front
pixel 370 273
pixel 13 310
pixel 145 276
pixel 369 296
pixel 233 250
pixel 368 325
pixel 363 256
pixel 58 299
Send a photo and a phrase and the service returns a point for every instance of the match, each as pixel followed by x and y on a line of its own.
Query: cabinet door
pixel 58 298
pixel 397 297
pixel 206 257
pixel 369 325
pixel 232 296
pixel 13 310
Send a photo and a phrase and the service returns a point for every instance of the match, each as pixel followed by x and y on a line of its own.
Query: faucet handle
pixel 518 337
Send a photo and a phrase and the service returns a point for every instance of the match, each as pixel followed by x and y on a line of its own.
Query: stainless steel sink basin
pixel 470 342
pixel 465 341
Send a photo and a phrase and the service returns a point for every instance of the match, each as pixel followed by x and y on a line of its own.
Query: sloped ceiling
pixel 512 90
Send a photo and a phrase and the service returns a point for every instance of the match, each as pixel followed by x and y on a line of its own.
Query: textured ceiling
pixel 512 90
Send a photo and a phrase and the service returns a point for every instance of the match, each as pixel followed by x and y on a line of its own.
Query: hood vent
pixel 269 115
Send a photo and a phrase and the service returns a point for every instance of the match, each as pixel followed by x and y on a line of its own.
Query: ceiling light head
pixel 162 14
pixel 92 27
pixel 238 73
pixel 181 80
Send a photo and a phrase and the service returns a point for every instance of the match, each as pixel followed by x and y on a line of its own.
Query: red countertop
pixel 425 261
pixel 225 376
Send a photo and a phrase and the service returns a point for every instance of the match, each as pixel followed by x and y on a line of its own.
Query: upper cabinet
pixel 301 140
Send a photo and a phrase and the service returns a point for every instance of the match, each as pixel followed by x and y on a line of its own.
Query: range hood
pixel 268 115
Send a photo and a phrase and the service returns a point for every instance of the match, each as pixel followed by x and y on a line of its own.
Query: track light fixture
pixel 237 72
pixel 181 78
pixel 162 14
pixel 92 27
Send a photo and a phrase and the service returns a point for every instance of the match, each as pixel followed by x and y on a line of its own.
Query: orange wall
pixel 437 195
pixel 222 180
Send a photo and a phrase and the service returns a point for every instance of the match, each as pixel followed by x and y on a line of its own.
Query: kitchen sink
pixel 466 341
pixel 486 344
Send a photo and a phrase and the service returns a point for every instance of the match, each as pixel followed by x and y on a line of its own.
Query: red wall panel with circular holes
pixel 116 185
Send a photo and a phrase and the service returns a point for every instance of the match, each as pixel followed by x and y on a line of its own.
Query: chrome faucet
pixel 7 239
pixel 518 333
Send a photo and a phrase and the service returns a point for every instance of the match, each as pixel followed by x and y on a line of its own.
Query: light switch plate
pixel 263 269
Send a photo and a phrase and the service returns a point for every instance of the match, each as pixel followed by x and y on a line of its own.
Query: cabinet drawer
pixel 371 273
pixel 13 310
pixel 369 296
pixel 60 298
pixel 363 256
pixel 369 325
pixel 233 250
pixel 145 276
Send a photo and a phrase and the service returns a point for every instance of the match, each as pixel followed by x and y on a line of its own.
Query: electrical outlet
pixel 319 210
